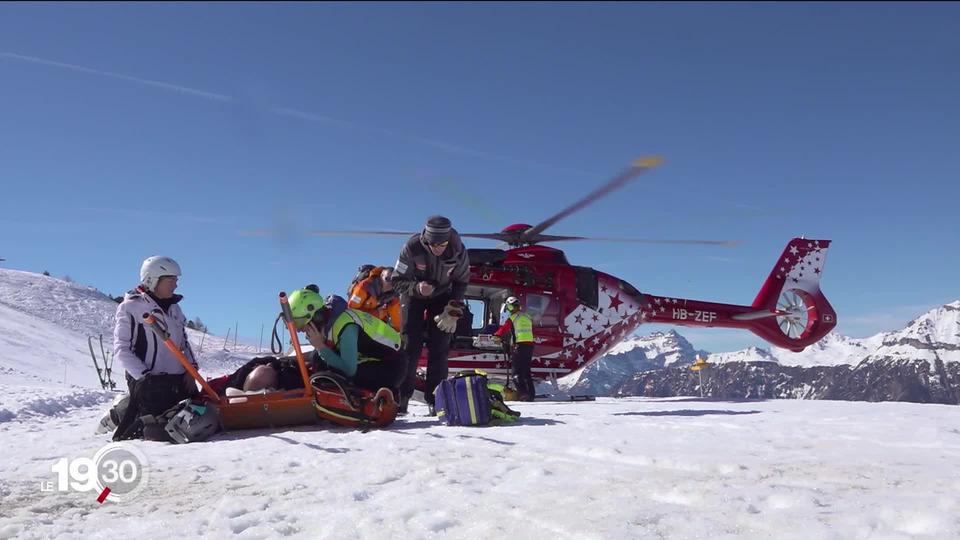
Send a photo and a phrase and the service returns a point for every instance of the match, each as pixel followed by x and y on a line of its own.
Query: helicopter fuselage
pixel 580 313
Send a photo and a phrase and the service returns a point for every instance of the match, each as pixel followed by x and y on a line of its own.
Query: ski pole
pixel 292 329
pixel 165 337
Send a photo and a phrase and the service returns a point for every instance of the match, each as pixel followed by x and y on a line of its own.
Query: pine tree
pixel 198 325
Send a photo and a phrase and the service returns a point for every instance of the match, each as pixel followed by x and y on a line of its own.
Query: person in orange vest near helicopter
pixel 374 294
pixel 521 326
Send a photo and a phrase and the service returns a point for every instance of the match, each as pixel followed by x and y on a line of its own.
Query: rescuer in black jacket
pixel 431 276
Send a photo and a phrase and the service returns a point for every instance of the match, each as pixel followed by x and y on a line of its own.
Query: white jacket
pixel 138 348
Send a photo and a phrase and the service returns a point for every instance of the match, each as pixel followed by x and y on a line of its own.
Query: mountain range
pixel 920 362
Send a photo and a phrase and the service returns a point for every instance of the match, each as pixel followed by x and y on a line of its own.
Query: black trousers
pixel 522 356
pixel 151 395
pixel 387 373
pixel 438 342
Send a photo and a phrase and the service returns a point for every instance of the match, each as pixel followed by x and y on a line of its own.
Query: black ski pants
pixel 374 374
pixel 438 342
pixel 150 396
pixel 522 356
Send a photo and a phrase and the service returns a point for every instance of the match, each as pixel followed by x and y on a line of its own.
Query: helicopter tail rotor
pixel 791 310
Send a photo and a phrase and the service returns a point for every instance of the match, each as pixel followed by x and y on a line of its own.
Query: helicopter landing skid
pixel 561 398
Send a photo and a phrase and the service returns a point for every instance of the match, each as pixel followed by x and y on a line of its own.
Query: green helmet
pixel 304 303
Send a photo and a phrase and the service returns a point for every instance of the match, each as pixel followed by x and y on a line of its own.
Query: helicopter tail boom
pixel 790 311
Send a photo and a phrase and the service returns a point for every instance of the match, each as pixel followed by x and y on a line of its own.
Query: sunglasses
pixel 440 244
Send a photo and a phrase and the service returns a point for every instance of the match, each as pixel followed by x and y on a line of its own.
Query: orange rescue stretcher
pixel 279 408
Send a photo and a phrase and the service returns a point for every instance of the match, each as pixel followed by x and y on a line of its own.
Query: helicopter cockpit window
pixel 628 288
pixel 477 307
pixel 587 292
pixel 485 303
pixel 542 310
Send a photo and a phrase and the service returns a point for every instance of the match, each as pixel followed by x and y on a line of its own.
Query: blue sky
pixel 132 130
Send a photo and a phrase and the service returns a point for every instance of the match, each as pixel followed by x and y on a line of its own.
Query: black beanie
pixel 437 230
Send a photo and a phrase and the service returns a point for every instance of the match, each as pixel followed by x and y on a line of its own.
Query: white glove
pixel 447 321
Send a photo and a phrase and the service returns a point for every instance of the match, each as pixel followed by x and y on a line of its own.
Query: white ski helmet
pixel 195 422
pixel 154 268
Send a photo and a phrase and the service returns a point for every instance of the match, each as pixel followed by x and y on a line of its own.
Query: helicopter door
pixel 543 310
pixel 587 289
pixel 480 316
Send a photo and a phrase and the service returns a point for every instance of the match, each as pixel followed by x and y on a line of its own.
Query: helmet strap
pixel 319 318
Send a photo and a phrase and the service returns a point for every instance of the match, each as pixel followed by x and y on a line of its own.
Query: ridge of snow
pixel 18 402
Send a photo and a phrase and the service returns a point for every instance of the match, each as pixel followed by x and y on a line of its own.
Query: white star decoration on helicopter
pixel 807 264
pixel 595 330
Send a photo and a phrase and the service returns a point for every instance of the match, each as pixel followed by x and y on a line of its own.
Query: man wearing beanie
pixel 431 277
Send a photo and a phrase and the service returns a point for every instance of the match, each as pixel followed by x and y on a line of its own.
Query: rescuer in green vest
pixel 521 326
pixel 358 345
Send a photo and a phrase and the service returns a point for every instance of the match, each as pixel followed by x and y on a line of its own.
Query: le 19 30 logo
pixel 117 472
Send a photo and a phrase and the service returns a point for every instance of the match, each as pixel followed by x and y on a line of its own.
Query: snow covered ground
pixel 639 468
pixel 679 468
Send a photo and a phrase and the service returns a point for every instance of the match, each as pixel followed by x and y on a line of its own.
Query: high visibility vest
pixel 522 327
pixel 377 330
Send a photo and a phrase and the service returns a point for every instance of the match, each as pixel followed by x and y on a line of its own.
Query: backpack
pixel 469 399
pixel 336 400
pixel 499 409
pixel 193 421
pixel 363 273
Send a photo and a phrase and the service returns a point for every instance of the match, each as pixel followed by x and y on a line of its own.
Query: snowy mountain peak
pixel 638 353
pixel 750 354
pixel 938 326
pixel 933 336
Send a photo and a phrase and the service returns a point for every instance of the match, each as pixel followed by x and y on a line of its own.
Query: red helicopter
pixel 580 313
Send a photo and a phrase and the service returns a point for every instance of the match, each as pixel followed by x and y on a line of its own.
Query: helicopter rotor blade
pixel 503 237
pixel 639 166
pixel 720 243
pixel 488 236
pixel 360 233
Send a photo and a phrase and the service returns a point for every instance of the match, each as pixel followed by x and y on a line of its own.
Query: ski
pixel 104 374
